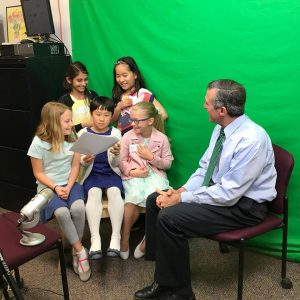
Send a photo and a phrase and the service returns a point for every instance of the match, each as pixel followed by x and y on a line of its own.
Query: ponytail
pixel 158 121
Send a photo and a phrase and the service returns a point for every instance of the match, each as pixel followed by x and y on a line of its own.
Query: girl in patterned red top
pixel 129 89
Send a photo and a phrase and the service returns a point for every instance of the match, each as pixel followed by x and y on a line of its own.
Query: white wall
pixel 64 34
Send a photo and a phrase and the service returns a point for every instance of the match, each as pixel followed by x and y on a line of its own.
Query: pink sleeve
pixel 164 161
pixel 124 165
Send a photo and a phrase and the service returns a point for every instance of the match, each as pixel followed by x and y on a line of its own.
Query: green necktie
pixel 214 158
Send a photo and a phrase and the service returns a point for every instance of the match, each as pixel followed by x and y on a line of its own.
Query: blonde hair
pixel 151 112
pixel 50 129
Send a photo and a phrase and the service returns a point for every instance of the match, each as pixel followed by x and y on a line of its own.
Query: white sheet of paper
pixel 89 143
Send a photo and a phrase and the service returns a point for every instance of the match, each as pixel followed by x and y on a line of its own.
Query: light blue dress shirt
pixel 245 168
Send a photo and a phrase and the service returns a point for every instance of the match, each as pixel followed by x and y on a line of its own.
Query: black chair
pixel 277 218
pixel 14 255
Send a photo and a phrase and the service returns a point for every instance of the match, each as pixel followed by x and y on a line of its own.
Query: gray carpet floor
pixel 214 275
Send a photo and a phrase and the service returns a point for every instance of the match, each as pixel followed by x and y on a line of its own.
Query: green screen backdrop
pixel 182 45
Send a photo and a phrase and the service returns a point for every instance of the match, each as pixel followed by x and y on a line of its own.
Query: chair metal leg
pixel 19 280
pixel 3 288
pixel 241 270
pixel 63 269
pixel 223 248
pixel 286 283
pixel 10 279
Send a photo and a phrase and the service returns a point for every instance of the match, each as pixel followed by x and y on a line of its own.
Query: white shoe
pixel 137 252
pixel 124 254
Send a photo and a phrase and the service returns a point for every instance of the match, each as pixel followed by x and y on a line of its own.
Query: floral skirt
pixel 138 189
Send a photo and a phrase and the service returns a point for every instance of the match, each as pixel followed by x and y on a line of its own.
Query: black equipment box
pixel 33 49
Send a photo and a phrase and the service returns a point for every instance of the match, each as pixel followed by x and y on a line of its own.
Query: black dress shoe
pixel 178 297
pixel 154 291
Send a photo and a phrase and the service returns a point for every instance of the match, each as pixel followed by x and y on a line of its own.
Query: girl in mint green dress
pixel 145 156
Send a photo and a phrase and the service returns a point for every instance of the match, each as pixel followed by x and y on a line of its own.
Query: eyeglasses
pixel 137 121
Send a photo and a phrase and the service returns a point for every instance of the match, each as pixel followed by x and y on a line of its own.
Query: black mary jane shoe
pixel 154 291
pixel 112 252
pixel 95 255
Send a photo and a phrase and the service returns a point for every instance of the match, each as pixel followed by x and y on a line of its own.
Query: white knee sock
pixel 93 215
pixel 116 211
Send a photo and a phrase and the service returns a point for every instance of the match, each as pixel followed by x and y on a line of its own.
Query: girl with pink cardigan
pixel 145 155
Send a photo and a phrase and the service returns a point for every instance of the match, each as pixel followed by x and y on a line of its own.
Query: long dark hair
pixel 117 91
pixel 73 70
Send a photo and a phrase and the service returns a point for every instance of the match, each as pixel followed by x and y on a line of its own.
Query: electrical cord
pixel 27 289
pixel 60 20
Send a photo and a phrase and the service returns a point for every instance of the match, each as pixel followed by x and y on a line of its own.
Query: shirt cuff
pixel 187 197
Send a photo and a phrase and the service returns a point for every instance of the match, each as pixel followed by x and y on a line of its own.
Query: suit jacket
pixel 158 144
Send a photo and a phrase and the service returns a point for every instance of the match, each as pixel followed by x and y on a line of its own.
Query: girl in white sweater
pixel 102 174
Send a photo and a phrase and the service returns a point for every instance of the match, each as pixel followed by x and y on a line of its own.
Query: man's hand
pixel 171 191
pixel 180 190
pixel 168 198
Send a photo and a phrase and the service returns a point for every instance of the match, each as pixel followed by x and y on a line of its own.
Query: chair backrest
pixel 284 164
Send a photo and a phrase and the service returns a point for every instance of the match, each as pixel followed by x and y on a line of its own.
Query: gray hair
pixel 230 94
